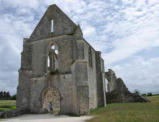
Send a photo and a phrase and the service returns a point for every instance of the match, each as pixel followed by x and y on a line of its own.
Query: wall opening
pixel 52 25
pixel 53 59
pixel 51 96
pixel 53 47
pixel 48 61
pixel 56 51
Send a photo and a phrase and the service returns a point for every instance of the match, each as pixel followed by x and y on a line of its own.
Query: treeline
pixel 150 94
pixel 6 96
pixel 145 94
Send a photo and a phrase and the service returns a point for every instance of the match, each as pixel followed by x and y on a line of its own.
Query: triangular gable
pixel 61 24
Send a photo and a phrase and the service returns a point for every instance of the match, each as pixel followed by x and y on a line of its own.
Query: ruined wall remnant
pixel 118 92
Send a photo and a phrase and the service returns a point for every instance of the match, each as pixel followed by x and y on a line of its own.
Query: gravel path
pixel 46 118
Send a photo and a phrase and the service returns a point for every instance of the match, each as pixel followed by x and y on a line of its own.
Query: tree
pixel 8 95
pixel 1 94
pixel 137 92
pixel 149 94
pixel 5 95
pixel 13 97
pixel 143 94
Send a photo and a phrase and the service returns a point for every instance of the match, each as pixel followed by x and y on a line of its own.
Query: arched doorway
pixel 51 95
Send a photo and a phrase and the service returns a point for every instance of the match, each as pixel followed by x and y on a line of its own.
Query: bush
pixel 149 94
pixel 143 94
pixel 137 92
pixel 13 97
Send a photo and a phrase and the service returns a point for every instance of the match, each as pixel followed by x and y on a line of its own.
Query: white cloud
pixel 152 2
pixel 140 74
pixel 127 1
pixel 89 30
pixel 142 39
pixel 133 34
pixel 22 3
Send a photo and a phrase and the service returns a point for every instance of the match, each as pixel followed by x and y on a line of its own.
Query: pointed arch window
pixel 53 59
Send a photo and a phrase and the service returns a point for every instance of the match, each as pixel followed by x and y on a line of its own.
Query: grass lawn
pixel 128 112
pixel 6 105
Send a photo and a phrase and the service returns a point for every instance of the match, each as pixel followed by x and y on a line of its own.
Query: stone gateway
pixel 59 66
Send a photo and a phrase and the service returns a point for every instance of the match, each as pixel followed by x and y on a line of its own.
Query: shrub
pixel 143 94
pixel 149 94
pixel 137 92
pixel 13 97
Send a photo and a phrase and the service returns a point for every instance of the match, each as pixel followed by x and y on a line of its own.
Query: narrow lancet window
pixel 48 62
pixel 52 25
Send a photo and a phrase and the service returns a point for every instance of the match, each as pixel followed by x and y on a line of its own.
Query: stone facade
pixel 58 66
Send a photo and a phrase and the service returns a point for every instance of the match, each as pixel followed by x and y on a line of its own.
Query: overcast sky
pixel 125 31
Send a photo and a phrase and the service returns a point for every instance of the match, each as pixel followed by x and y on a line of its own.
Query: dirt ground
pixel 46 118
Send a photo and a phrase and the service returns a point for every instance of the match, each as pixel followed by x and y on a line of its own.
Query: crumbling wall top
pixel 54 23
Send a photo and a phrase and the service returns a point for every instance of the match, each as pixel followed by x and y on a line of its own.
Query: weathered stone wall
pixel 89 53
pixel 26 56
pixel 119 93
pixel 62 24
pixel 111 77
pixel 78 78
pixel 25 75
pixel 65 57
pixel 65 60
pixel 37 85
pixel 92 78
pixel 39 58
pixel 100 79
pixel 66 89
pixel 23 90
pixel 96 76
pixel 81 80
pixel 83 99
pixel 40 54
pixel 103 82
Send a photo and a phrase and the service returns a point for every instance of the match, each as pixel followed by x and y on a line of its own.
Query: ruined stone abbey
pixel 59 66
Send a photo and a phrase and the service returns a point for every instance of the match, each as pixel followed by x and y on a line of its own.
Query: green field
pixel 128 112
pixel 6 105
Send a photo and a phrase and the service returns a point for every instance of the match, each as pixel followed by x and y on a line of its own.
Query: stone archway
pixel 51 95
